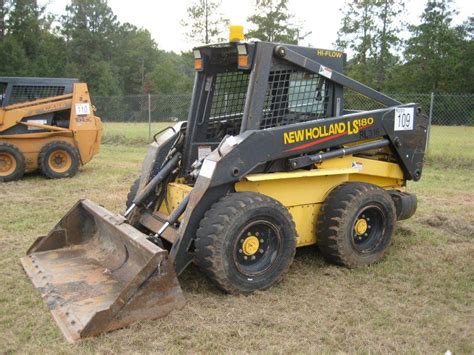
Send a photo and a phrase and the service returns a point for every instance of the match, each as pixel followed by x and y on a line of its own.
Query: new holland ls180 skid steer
pixel 46 124
pixel 267 161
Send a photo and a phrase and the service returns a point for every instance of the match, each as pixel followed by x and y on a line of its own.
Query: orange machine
pixel 46 124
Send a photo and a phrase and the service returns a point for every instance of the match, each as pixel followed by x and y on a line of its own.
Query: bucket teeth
pixel 97 273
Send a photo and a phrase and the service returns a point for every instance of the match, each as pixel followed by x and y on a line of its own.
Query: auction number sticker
pixel 83 109
pixel 404 117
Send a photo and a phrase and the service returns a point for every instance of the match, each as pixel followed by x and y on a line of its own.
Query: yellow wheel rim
pixel 250 245
pixel 361 226
pixel 7 164
pixel 60 161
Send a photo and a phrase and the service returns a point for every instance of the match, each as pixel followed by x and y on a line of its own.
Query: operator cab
pixel 242 86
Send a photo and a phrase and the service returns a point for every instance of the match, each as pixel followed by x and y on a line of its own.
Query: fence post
pixel 149 117
pixel 430 118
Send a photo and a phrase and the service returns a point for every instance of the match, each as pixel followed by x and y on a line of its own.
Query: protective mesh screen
pixel 228 100
pixel 22 93
pixel 294 96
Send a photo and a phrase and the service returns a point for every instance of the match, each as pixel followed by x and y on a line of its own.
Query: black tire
pixel 243 265
pixel 132 193
pixel 12 163
pixel 58 160
pixel 355 224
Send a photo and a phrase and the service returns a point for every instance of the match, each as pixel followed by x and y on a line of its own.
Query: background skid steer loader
pixel 46 124
pixel 267 161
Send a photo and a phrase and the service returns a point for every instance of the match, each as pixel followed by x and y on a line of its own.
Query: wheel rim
pixel 257 247
pixel 7 164
pixel 60 161
pixel 368 228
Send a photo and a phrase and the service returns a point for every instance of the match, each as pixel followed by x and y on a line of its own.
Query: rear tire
pixel 58 160
pixel 355 224
pixel 245 242
pixel 12 163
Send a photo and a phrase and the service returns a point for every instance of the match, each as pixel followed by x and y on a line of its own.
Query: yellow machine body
pixel 84 131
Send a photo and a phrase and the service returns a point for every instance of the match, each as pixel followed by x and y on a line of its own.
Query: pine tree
pixel 90 28
pixel 3 14
pixel 434 50
pixel 357 33
pixel 24 23
pixel 387 37
pixel 204 22
pixel 272 22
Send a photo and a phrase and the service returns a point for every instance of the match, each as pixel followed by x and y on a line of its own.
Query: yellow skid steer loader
pixel 46 124
pixel 267 161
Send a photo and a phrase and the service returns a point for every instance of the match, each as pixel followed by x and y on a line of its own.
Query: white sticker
pixel 233 141
pixel 357 165
pixel 325 71
pixel 404 117
pixel 83 109
pixel 207 168
pixel 32 128
pixel 203 151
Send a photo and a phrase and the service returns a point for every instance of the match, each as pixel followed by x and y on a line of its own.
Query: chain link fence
pixel 151 113
pixel 443 109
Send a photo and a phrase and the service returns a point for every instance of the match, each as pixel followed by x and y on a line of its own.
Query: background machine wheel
pixel 12 163
pixel 355 224
pixel 58 160
pixel 245 242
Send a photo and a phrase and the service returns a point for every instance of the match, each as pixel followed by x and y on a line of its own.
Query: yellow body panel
pixel 84 131
pixel 303 191
pixel 175 193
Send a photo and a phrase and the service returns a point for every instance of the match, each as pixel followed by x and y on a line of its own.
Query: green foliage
pixel 116 58
pixel 91 44
pixel 204 23
pixel 370 30
pixel 272 22
pixel 435 49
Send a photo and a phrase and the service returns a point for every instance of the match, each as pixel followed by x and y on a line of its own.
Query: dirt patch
pixel 451 225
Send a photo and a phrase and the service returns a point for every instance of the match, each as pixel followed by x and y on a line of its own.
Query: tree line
pixel 116 58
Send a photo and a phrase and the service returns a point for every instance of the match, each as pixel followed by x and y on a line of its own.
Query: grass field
pixel 419 299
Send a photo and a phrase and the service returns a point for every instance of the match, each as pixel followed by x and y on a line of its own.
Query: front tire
pixel 355 224
pixel 12 163
pixel 246 242
pixel 58 160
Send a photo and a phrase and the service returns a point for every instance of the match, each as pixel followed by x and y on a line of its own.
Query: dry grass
pixel 418 299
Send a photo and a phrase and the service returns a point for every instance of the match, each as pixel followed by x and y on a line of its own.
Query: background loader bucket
pixel 97 273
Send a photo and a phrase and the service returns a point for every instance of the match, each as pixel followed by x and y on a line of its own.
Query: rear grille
pixel 23 93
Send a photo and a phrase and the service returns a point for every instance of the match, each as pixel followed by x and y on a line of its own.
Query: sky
pixel 320 18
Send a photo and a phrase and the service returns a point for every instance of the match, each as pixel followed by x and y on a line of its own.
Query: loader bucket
pixel 97 273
